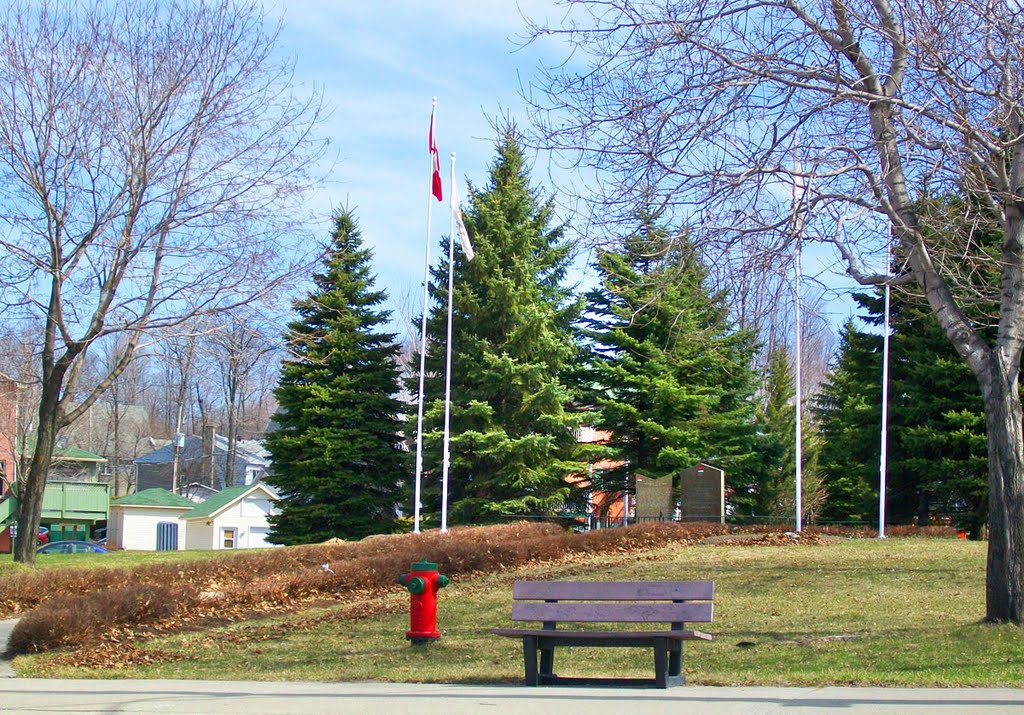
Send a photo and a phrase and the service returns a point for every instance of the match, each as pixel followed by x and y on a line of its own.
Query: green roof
pixel 154 497
pixel 75 454
pixel 217 501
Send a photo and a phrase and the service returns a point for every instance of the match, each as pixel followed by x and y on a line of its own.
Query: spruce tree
pixel 512 441
pixel 337 453
pixel 774 491
pixel 937 458
pixel 848 412
pixel 671 377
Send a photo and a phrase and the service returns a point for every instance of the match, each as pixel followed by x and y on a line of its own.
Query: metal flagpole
pixel 448 362
pixel 798 398
pixel 798 437
pixel 883 454
pixel 423 336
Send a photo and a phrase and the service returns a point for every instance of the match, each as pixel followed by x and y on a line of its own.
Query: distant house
pixel 196 493
pixel 603 506
pixel 8 431
pixel 73 464
pixel 235 518
pixel 204 460
pixel 149 520
pixel 120 434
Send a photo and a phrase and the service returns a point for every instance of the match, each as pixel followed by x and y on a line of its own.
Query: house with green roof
pixel 234 518
pixel 74 503
pixel 149 520
pixel 159 520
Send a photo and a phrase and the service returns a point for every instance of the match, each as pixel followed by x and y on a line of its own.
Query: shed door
pixel 167 536
pixel 258 536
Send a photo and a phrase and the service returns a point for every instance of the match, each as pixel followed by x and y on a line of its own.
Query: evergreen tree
pixel 774 493
pixel 937 459
pixel 337 454
pixel 671 377
pixel 848 410
pixel 512 440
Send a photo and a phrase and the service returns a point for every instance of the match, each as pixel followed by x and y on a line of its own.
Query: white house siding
pixel 247 516
pixel 115 525
pixel 199 534
pixel 133 528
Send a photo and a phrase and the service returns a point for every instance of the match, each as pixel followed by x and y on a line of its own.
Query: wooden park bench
pixel 589 602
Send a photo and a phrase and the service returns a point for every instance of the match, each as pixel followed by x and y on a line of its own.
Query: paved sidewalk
pixel 182 697
pixel 5 666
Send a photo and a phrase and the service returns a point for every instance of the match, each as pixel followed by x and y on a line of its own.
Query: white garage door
pixel 258 537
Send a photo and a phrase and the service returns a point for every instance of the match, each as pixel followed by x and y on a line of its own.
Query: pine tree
pixel 774 493
pixel 937 458
pixel 671 377
pixel 512 442
pixel 848 411
pixel 338 458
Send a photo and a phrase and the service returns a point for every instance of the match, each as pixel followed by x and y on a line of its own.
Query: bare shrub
pixel 74 620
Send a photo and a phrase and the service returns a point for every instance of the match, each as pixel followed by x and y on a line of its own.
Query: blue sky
pixel 378 66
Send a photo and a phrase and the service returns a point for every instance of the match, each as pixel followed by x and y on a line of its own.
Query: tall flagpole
pixel 448 363
pixel 883 453
pixel 423 329
pixel 799 396
pixel 798 436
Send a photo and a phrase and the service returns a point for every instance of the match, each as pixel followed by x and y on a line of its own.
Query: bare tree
pixel 151 154
pixel 239 348
pixel 121 402
pixel 725 110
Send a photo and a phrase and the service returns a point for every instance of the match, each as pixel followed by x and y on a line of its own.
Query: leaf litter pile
pixel 99 615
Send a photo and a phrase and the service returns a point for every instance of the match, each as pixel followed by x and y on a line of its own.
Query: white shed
pixel 149 520
pixel 235 518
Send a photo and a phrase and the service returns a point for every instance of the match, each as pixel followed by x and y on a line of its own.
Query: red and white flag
pixel 435 179
pixel 460 225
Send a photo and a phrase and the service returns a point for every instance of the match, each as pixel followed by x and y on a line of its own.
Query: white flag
pixel 460 225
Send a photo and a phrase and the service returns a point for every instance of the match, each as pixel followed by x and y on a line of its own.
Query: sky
pixel 378 66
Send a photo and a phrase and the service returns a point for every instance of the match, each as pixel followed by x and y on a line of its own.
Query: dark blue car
pixel 71 547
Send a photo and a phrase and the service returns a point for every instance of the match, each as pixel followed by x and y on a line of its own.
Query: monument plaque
pixel 702 493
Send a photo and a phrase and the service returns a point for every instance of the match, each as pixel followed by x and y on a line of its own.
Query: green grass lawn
pixel 114 559
pixel 864 612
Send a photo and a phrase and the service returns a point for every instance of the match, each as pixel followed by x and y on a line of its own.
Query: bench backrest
pixel 613 601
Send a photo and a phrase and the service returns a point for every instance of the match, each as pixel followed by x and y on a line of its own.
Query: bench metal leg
pixel 530 659
pixel 675 658
pixel 660 663
pixel 547 661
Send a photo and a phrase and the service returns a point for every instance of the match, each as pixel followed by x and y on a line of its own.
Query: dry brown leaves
pixel 240 587
pixel 775 538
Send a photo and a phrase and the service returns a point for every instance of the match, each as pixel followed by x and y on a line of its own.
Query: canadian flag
pixel 435 179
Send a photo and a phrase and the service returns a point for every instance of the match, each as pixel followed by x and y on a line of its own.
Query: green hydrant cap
pixel 443 581
pixel 416 585
pixel 424 566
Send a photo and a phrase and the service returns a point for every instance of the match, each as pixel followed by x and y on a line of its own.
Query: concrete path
pixel 182 697
pixel 5 666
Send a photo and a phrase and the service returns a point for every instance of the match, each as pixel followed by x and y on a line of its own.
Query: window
pixel 228 537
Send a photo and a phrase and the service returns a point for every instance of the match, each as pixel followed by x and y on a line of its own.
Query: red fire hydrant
pixel 423 582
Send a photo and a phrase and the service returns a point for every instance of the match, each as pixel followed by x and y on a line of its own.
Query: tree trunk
pixel 1004 584
pixel 33 483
